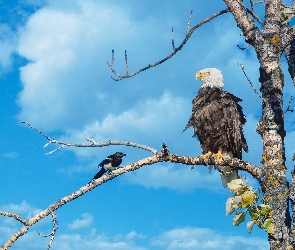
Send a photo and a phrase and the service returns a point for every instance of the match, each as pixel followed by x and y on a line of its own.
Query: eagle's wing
pixel 217 119
pixel 233 122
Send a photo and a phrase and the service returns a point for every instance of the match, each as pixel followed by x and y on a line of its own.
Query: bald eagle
pixel 218 120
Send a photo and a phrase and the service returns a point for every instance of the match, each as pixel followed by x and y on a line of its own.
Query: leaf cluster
pixel 246 198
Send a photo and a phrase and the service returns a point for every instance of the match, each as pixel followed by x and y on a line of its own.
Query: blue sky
pixel 54 75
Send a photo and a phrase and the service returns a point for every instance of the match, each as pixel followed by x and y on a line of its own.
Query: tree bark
pixel 269 44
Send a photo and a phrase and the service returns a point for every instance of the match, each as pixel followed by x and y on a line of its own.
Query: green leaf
pixel 232 204
pixel 264 209
pixel 239 218
pixel 250 225
pixel 269 226
pixel 254 214
pixel 235 185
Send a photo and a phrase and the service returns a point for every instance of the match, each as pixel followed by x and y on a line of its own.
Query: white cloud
pixel 134 235
pixel 174 239
pixel 64 85
pixel 204 238
pixel 90 239
pixel 81 223
pixel 94 241
pixel 139 119
pixel 151 119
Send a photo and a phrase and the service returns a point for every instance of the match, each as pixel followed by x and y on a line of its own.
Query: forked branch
pixel 15 216
pixel 92 143
pixel 189 32
pixel 158 156
pixel 162 156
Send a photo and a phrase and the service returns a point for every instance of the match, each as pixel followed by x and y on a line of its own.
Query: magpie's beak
pixel 124 154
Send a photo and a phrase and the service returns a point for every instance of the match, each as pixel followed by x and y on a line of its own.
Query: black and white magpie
pixel 110 163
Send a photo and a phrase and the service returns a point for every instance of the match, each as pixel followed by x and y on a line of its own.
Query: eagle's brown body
pixel 218 121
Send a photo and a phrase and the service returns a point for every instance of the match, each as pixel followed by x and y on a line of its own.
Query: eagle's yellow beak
pixel 200 75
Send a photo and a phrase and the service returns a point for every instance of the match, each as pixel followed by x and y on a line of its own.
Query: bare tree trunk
pixel 271 128
pixel 269 44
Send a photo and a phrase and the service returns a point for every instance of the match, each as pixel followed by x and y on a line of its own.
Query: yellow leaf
pixel 247 198
pixel 269 226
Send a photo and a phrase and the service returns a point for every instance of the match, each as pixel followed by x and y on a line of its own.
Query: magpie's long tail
pixel 99 174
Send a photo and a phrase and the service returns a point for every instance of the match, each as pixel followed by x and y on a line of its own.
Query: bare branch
pixel 247 26
pixel 255 90
pixel 54 229
pixel 188 34
pixel 253 3
pixel 93 143
pixel 251 12
pixel 163 156
pixel 113 56
pixel 39 131
pixel 15 216
pixel 173 46
pixel 289 104
pixel 52 151
pixel 189 22
pixel 126 61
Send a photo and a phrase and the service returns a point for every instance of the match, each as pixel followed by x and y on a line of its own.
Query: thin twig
pixel 54 150
pixel 39 131
pixel 173 46
pixel 255 90
pixel 113 56
pixel 189 22
pixel 251 12
pixel 15 216
pixel 252 5
pixel 92 143
pixel 289 105
pixel 126 61
pixel 54 229
pixel 191 31
pixel 244 47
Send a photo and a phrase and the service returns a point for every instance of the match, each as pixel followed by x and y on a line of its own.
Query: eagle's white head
pixel 210 77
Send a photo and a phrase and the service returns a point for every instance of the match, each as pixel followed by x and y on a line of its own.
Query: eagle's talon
pixel 218 156
pixel 207 155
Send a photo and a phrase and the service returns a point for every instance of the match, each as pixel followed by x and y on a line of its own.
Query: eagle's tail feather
pixel 227 174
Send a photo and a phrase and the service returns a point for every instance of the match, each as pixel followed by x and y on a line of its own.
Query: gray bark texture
pixel 269 42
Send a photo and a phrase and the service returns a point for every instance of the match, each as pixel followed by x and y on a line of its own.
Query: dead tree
pixel 270 36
